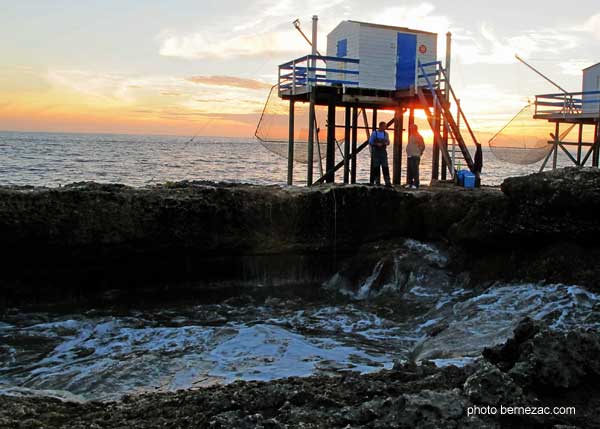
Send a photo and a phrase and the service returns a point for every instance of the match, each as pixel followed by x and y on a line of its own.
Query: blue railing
pixel 431 73
pixel 298 75
pixel 571 103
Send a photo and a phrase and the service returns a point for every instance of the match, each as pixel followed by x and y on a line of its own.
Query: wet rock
pixel 553 360
pixel 428 408
pixel 490 386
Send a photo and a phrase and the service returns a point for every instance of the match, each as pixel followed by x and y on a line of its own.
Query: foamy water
pixel 103 355
pixel 50 159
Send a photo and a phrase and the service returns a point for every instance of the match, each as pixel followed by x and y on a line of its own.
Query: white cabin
pixel 591 82
pixel 388 55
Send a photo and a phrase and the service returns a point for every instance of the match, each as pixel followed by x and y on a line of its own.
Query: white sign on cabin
pixel 591 82
pixel 388 55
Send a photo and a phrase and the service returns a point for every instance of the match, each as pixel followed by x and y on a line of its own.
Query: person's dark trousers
pixel 413 170
pixel 379 159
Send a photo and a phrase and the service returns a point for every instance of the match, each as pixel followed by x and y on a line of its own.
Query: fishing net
pixel 273 127
pixel 524 140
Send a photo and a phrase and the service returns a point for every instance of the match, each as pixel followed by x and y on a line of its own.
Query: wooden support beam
pixel 290 172
pixel 435 158
pixel 372 177
pixel 354 143
pixel 397 154
pixel 437 137
pixel 566 151
pixel 330 156
pixel 353 156
pixel 545 161
pixel 347 133
pixel 596 157
pixel 411 121
pixel 579 143
pixel 555 149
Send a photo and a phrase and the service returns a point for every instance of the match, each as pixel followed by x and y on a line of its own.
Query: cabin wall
pixel 591 82
pixel 377 58
pixel 429 42
pixel 348 31
pixel 377 49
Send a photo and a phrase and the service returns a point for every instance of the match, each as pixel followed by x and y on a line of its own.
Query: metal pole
pixel 290 173
pixel 315 26
pixel 311 108
pixel 447 99
pixel 311 138
pixel 540 73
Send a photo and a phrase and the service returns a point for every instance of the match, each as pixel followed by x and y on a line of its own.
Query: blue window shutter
pixel 342 48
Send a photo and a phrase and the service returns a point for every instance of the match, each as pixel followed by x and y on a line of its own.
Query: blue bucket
pixel 469 180
pixel 460 177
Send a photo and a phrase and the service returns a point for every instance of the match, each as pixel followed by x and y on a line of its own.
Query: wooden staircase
pixel 438 98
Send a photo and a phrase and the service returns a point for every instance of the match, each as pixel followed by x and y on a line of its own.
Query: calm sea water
pixel 53 159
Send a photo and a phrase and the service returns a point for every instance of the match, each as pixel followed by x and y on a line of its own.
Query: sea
pixel 57 159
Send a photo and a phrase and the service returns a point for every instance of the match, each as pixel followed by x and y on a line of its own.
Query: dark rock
pixel 212 241
pixel 490 386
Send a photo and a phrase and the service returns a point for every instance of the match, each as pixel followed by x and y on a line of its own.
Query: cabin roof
pixel 391 27
pixel 591 67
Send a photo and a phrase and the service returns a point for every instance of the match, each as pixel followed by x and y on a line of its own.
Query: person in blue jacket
pixel 379 141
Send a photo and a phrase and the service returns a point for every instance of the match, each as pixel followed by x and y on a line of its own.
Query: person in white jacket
pixel 414 151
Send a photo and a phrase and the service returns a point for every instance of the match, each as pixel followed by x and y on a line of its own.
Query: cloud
pixel 419 17
pixel 487 48
pixel 266 33
pixel 574 67
pixel 230 81
pixel 592 25
pixel 190 96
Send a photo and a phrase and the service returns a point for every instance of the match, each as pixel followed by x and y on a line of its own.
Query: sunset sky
pixel 187 67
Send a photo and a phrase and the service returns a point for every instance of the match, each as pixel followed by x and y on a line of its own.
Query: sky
pixel 205 67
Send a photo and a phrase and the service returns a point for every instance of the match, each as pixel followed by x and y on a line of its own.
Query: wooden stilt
pixel 347 133
pixel 354 143
pixel 411 121
pixel 374 177
pixel 596 156
pixel 579 141
pixel 290 172
pixel 435 159
pixel 556 140
pixel 330 160
pixel 397 158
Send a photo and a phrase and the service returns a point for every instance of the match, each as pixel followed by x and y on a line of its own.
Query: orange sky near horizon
pixel 188 68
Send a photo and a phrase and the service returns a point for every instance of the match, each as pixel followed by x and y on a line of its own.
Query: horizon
pixel 188 69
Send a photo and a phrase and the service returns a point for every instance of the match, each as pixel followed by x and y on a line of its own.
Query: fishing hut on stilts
pixel 573 110
pixel 370 69
pixel 563 122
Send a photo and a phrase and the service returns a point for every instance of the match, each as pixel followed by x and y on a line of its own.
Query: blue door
pixel 406 60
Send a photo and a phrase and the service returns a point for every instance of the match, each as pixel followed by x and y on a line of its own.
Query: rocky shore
pixel 546 380
pixel 93 240
pixel 88 242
